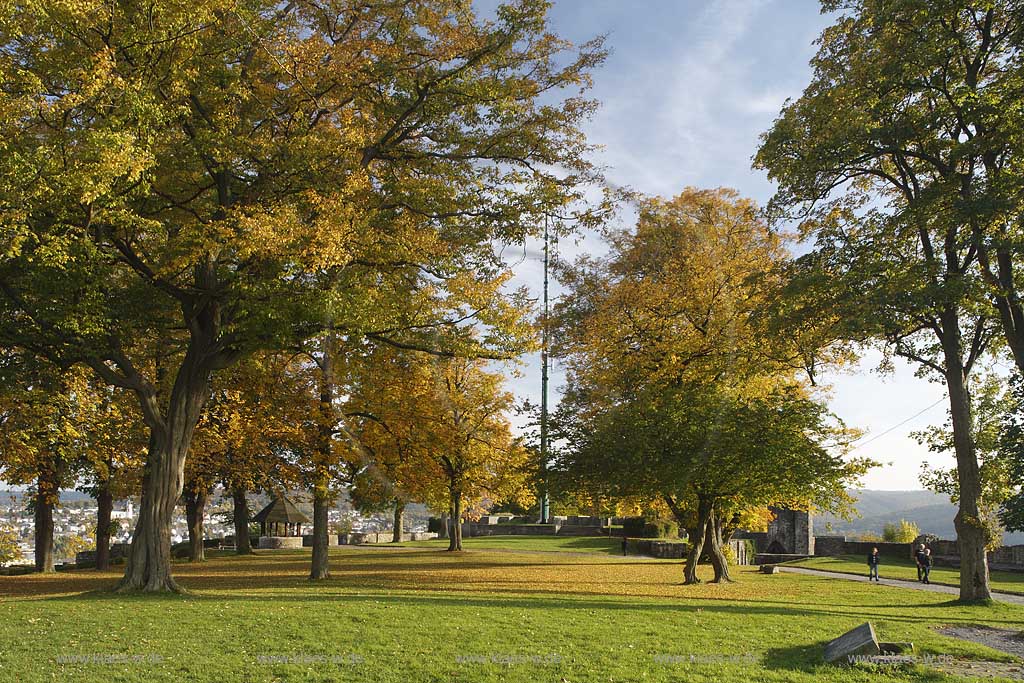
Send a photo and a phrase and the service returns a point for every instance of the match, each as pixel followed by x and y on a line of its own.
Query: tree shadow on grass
pixel 737 608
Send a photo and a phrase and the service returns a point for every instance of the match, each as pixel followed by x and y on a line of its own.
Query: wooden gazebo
pixel 280 516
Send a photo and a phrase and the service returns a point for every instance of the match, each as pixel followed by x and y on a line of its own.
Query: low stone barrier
pixel 279 542
pixel 307 540
pixel 87 558
pixel 371 537
pixel 471 529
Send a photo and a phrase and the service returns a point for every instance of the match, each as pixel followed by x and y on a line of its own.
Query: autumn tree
pixel 226 177
pixel 991 404
pixel 899 160
pixel 710 457
pixel 111 466
pixel 900 532
pixel 258 411
pixel 386 424
pixel 678 390
pixel 1010 447
pixel 442 426
pixel 44 418
pixel 471 438
pixel 10 547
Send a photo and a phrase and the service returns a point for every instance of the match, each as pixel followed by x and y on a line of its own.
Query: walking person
pixel 927 565
pixel 919 558
pixel 873 565
pixel 624 544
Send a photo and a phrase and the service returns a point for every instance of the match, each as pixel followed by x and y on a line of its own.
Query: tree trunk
pixel 149 558
pixel 715 552
pixel 322 460
pixel 971 535
pixel 697 536
pixel 442 532
pixel 104 506
pixel 455 537
pixel 43 530
pixel 320 568
pixel 240 516
pixel 396 534
pixel 195 507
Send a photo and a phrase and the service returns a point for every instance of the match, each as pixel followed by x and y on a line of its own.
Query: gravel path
pixel 1003 639
pixel 914 585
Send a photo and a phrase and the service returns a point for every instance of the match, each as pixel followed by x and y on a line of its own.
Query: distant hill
pixel 65 496
pixel 932 512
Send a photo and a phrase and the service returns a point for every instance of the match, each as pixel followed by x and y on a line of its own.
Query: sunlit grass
pixel 407 614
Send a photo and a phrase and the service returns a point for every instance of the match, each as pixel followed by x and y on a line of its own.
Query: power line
pixel 897 426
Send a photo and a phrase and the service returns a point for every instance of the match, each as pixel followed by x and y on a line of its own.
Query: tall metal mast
pixel 545 502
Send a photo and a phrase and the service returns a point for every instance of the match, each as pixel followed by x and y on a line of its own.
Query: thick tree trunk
pixel 149 558
pixel 714 543
pixel 43 531
pixel 443 532
pixel 195 508
pixel 697 535
pixel 320 568
pixel 240 516
pixel 455 537
pixel 396 533
pixel 971 534
pixel 104 506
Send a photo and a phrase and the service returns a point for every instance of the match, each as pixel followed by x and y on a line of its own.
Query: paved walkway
pixel 931 587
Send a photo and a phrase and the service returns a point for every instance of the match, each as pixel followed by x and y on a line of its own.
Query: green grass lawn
pixel 891 568
pixel 579 544
pixel 412 614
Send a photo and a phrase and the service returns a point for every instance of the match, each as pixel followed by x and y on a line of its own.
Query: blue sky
pixel 685 94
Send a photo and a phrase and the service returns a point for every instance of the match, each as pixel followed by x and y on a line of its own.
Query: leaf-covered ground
pixel 483 615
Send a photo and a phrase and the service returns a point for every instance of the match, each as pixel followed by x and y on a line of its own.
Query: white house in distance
pixel 128 512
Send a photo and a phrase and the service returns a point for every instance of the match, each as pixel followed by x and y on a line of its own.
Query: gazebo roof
pixel 281 510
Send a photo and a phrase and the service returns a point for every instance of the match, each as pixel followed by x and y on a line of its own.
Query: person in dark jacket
pixel 926 565
pixel 919 557
pixel 873 565
pixel 625 545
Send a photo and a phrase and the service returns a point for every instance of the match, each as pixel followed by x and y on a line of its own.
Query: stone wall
pixel 307 540
pixel 944 552
pixel 759 539
pixel 87 558
pixel 903 551
pixel 279 542
pixel 1008 556
pixel 471 529
pixel 676 550
pixel 506 525
pixel 830 546
pixel 367 537
pixel 791 532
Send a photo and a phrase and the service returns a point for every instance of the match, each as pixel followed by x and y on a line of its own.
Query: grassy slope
pixel 409 613
pixel 1010 582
